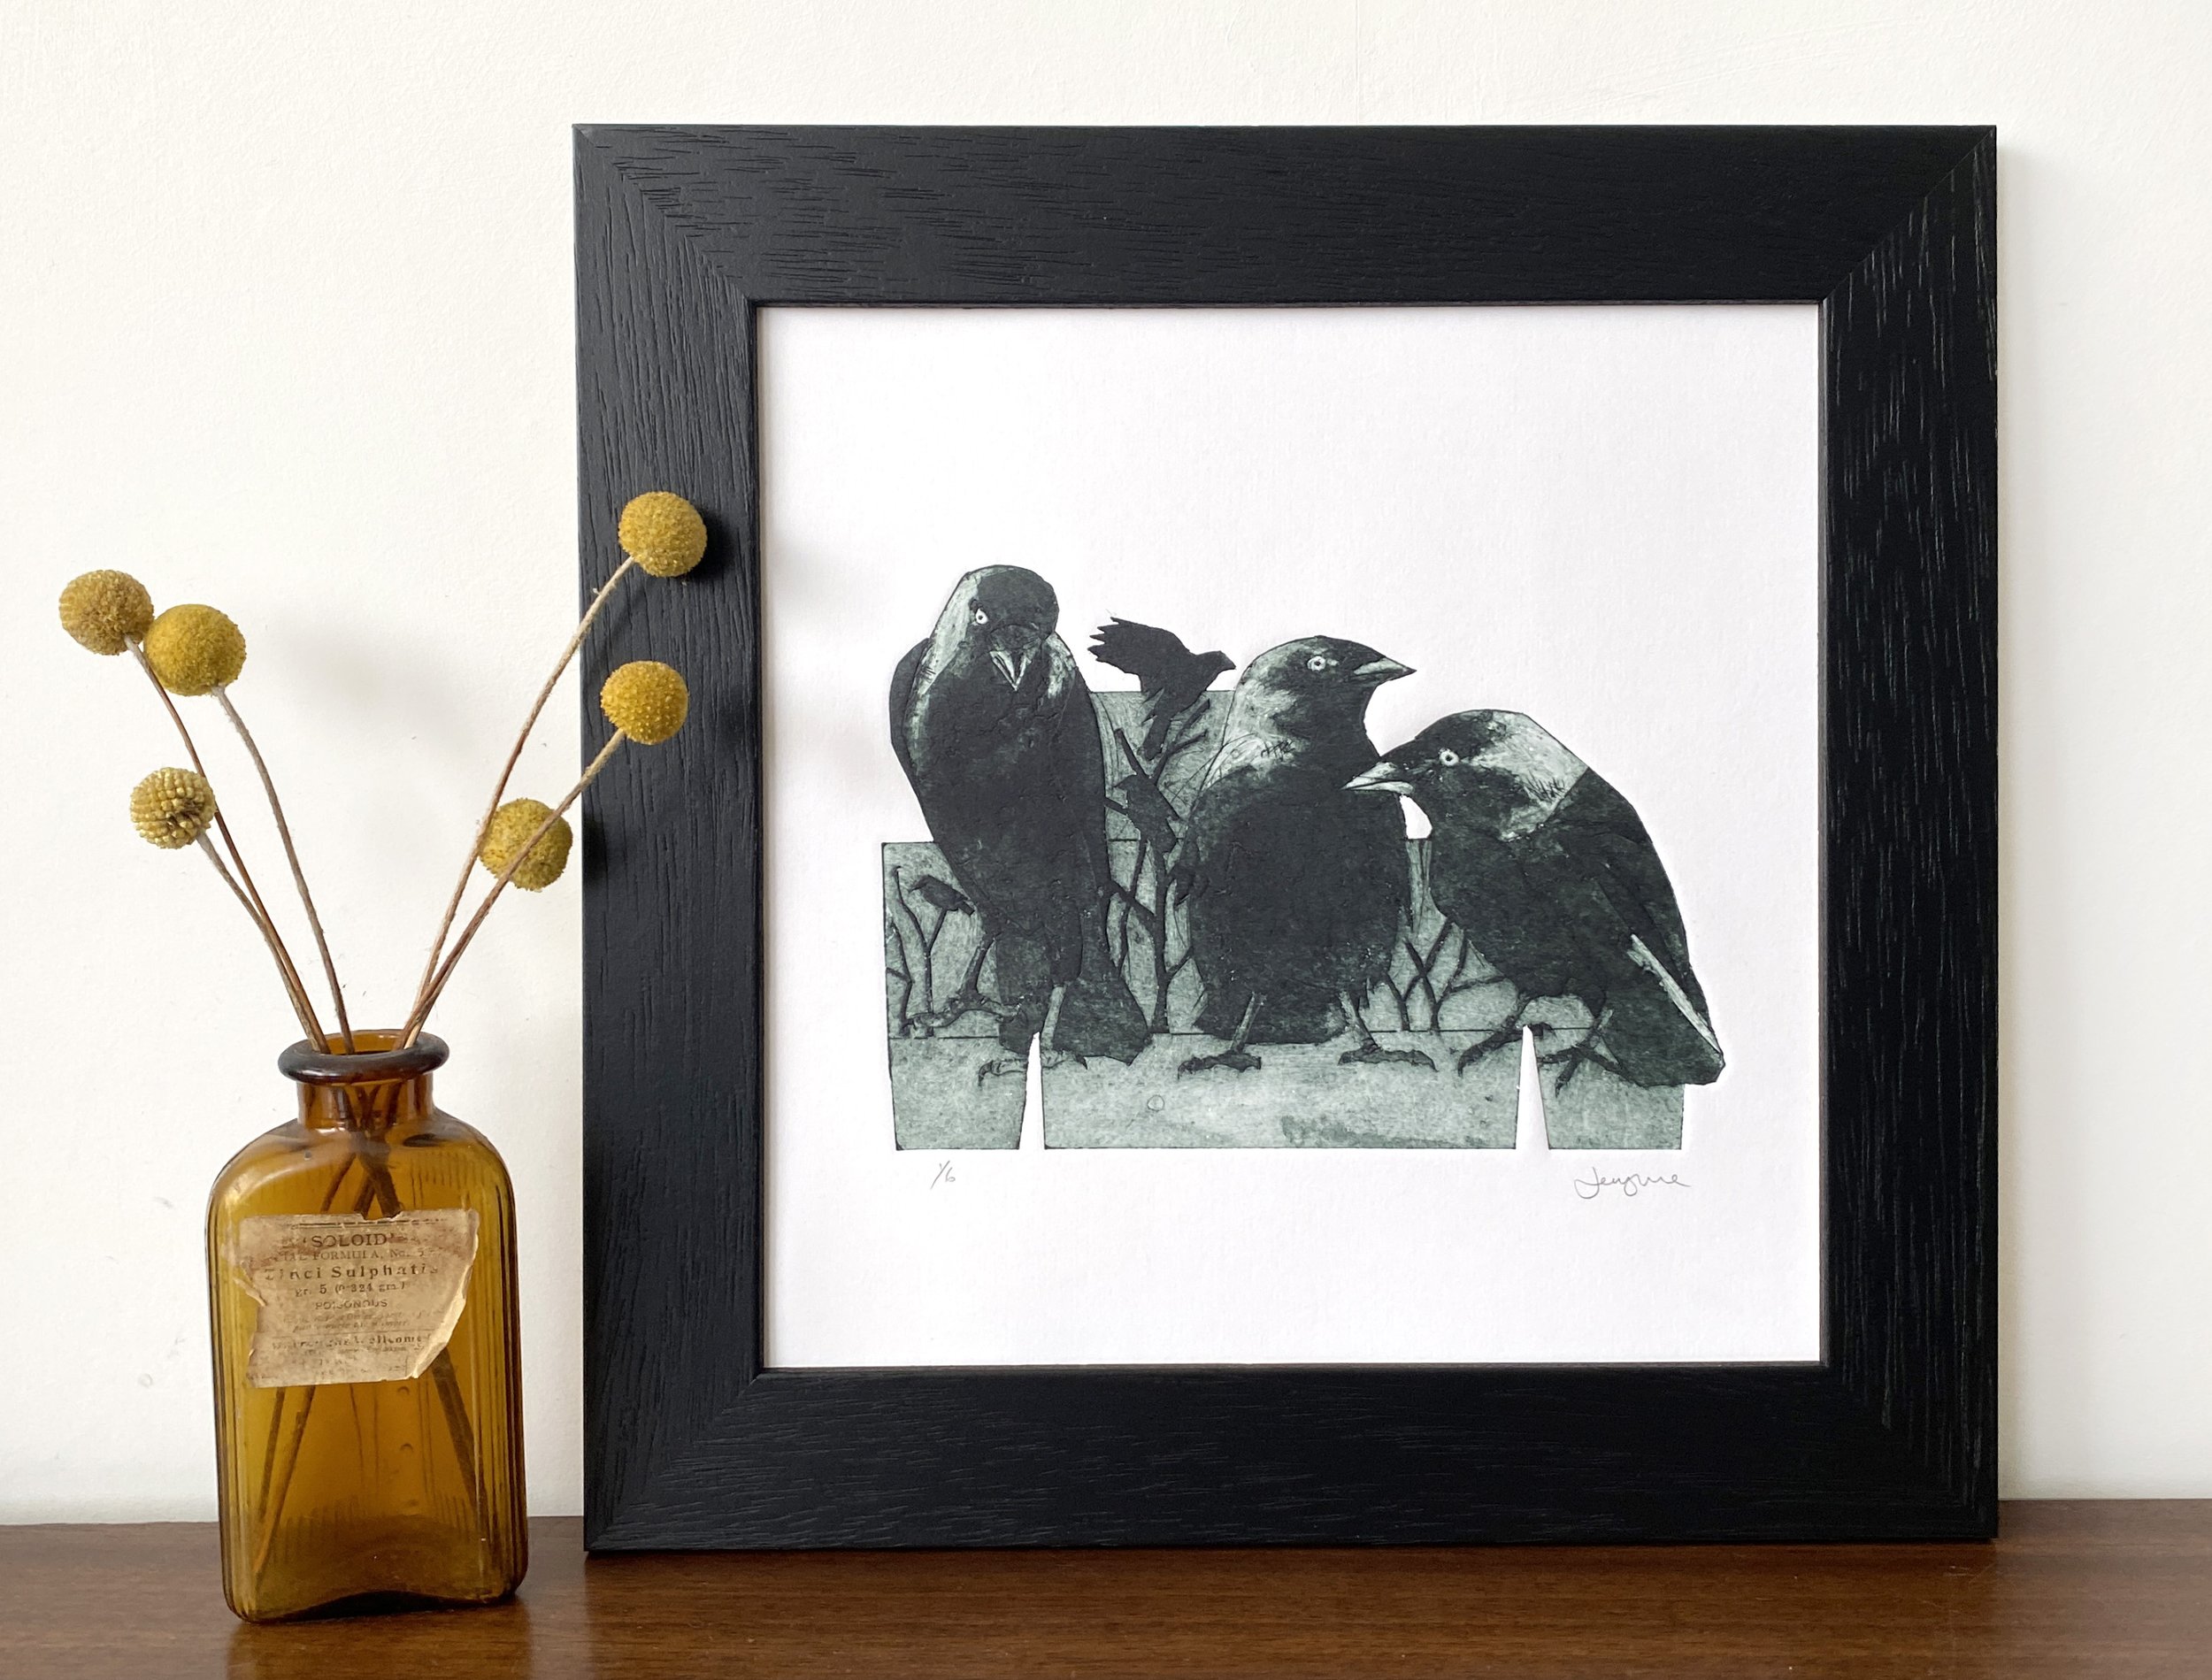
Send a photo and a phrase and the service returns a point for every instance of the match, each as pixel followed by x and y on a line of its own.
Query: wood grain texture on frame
pixel 682 234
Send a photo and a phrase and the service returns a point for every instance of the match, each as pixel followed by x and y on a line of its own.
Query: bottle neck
pixel 378 1087
pixel 375 1105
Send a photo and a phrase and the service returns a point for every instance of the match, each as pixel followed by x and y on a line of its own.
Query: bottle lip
pixel 312 1065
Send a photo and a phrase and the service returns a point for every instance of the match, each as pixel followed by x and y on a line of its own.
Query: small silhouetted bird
pixel 996 731
pixel 942 895
pixel 1149 812
pixel 1550 875
pixel 1169 675
pixel 1295 885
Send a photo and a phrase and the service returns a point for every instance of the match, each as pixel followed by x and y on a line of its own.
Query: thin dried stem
pixel 282 1483
pixel 445 969
pixel 446 1381
pixel 258 908
pixel 506 773
pixel 292 988
pixel 912 923
pixel 292 856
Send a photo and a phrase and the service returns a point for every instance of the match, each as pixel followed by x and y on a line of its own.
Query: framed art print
pixel 1558 566
pixel 1341 883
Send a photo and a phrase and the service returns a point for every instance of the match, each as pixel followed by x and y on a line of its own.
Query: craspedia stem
pixel 294 987
pixel 460 946
pixel 293 993
pixel 506 774
pixel 292 856
pixel 184 733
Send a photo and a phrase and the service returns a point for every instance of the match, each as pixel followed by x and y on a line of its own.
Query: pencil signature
pixel 1629 1183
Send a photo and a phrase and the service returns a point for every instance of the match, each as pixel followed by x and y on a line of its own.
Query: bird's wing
pixel 1079 764
pixel 1146 653
pixel 1237 773
pixel 1622 888
pixel 902 704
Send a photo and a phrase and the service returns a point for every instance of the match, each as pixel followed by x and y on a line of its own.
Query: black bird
pixel 1295 884
pixel 995 730
pixel 1169 675
pixel 1550 875
pixel 941 895
pixel 1149 813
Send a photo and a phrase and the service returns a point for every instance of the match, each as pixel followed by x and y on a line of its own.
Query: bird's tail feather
pixel 1022 974
pixel 1298 1018
pixel 1640 953
pixel 1099 1014
pixel 1658 1034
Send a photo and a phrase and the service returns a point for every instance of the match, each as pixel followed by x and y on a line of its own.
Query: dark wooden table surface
pixel 2070 1588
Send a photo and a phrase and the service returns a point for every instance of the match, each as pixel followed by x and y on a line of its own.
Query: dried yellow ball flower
pixel 646 700
pixel 194 650
pixel 510 830
pixel 662 533
pixel 173 807
pixel 106 611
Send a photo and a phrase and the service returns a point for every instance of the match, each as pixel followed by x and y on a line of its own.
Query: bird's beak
pixel 1377 672
pixel 1386 777
pixel 1013 649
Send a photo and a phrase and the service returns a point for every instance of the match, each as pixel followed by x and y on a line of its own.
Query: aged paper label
pixel 348 1300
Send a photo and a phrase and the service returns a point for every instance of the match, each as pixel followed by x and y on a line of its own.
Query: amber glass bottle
pixel 368 1415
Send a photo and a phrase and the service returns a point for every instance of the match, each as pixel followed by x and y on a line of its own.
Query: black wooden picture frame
pixel 683 233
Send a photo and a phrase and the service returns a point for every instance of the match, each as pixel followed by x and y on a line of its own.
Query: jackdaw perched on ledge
pixel 996 731
pixel 1548 872
pixel 1295 885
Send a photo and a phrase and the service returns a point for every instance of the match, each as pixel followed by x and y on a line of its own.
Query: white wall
pixel 285 296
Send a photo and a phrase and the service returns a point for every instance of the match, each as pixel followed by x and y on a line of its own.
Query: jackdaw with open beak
pixel 1550 875
pixel 995 730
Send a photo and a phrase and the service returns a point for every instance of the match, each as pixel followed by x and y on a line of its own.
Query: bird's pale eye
pixel 1448 758
pixel 1319 662
pixel 981 616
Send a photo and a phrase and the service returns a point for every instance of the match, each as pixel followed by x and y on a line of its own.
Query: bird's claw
pixel 1000 1064
pixel 1237 1060
pixel 1495 1042
pixel 1574 1059
pixel 1063 1058
pixel 1372 1052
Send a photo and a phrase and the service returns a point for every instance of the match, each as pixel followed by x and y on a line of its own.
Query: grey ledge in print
pixel 1201 908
